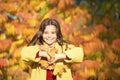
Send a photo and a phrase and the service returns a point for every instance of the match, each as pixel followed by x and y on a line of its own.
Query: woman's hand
pixel 58 57
pixel 44 54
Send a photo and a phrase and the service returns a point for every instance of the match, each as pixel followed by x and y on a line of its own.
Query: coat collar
pixel 56 46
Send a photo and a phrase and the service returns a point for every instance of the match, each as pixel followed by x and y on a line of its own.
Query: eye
pixel 53 32
pixel 45 32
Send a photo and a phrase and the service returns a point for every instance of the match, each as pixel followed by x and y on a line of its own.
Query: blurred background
pixel 93 25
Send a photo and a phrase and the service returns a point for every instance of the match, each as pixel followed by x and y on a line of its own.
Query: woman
pixel 48 55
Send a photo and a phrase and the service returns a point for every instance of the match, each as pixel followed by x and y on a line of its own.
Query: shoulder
pixel 68 45
pixel 35 47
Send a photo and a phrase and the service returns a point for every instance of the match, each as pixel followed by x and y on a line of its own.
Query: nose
pixel 49 35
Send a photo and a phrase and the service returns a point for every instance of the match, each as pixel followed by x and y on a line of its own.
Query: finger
pixel 48 58
pixel 53 61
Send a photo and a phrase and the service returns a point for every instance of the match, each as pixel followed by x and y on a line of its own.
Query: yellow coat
pixel 28 55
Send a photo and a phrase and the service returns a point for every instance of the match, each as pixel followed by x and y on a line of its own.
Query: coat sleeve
pixel 75 54
pixel 28 54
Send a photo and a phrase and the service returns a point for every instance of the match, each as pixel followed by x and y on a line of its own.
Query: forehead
pixel 50 28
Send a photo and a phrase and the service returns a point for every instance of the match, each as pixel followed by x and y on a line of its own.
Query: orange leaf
pixel 116 45
pixel 91 64
pixel 61 4
pixel 10 7
pixel 92 45
pixel 5 44
pixel 4 62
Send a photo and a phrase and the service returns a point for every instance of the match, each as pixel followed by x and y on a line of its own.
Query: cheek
pixel 43 36
pixel 55 36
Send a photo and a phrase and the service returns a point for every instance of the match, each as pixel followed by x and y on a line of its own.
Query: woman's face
pixel 50 35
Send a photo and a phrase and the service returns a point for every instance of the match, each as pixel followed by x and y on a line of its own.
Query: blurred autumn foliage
pixel 93 25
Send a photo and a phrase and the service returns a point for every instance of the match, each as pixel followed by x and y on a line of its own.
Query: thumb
pixel 53 61
pixel 48 58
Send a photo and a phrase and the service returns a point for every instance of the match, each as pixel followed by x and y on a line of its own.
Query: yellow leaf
pixel 50 13
pixel 68 19
pixel 0 72
pixel 10 28
pixel 2 36
pixel 15 44
pixel 32 22
pixel 23 4
pixel 3 54
pixel 42 4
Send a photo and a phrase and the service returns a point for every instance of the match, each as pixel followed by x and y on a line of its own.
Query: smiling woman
pixel 49 55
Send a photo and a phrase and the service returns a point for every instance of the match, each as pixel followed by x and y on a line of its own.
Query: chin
pixel 49 43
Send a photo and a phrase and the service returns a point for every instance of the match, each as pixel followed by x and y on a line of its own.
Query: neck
pixel 51 46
